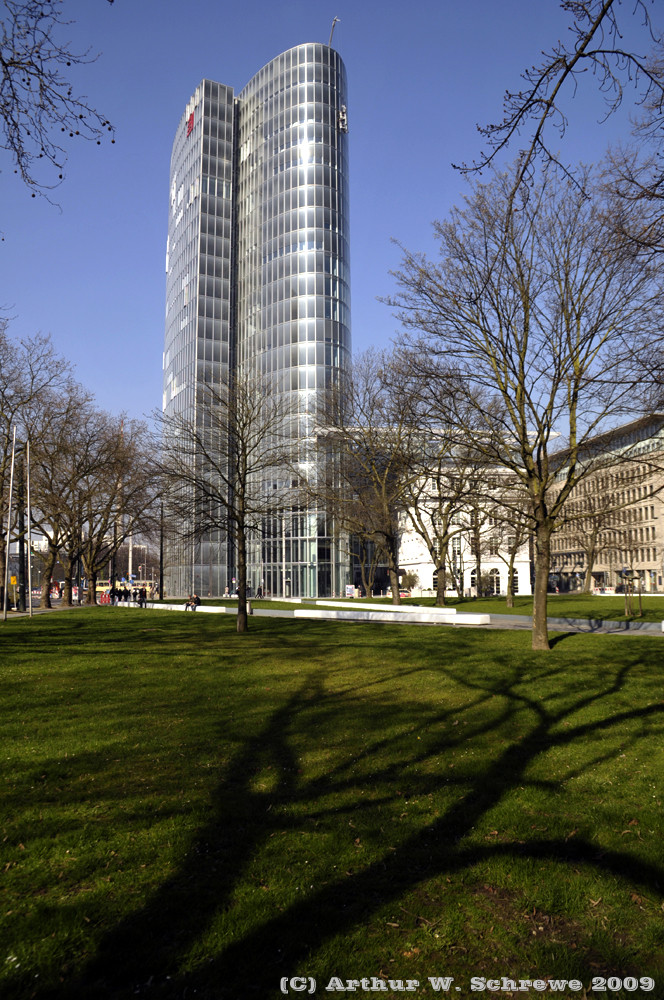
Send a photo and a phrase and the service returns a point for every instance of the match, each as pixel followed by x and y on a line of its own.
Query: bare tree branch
pixel 597 49
pixel 38 106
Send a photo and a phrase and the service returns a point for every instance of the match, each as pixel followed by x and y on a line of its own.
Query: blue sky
pixel 421 75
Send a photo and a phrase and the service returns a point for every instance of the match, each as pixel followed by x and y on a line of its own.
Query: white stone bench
pixel 340 611
pixel 425 616
pixel 413 609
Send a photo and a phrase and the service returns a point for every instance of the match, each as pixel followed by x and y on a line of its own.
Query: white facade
pixel 414 557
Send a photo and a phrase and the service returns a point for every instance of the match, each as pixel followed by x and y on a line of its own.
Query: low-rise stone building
pixel 614 526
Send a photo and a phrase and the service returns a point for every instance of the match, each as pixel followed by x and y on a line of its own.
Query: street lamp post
pixel 5 596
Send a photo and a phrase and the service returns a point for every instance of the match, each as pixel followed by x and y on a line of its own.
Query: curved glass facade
pixel 199 332
pixel 293 254
pixel 259 277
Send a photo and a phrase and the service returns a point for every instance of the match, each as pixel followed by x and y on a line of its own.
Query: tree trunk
pixel 3 596
pixel 588 582
pixel 242 618
pixel 394 586
pixel 510 581
pixel 91 597
pixel 441 585
pixel 478 569
pixel 542 565
pixel 68 565
pixel 391 549
pixel 367 580
pixel 458 583
pixel 46 574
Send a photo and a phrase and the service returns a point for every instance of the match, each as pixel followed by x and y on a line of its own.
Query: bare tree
pixel 536 117
pixel 38 105
pixel 477 518
pixel 56 467
pixel 93 485
pixel 230 470
pixel 436 498
pixel 449 490
pixel 366 552
pixel 371 433
pixel 28 370
pixel 634 177
pixel 117 489
pixel 542 317
pixel 510 527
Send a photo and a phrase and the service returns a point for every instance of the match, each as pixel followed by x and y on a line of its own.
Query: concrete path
pixel 602 625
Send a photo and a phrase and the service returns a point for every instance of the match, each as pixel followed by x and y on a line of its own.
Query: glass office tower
pixel 258 280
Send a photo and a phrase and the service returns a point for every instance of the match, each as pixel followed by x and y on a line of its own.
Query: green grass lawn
pixel 191 813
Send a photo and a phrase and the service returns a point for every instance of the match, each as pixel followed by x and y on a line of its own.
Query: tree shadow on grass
pixel 145 954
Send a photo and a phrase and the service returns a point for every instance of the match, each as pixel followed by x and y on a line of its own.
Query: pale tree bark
pixel 477 517
pixel 441 581
pixel 591 556
pixel 69 556
pixel 510 579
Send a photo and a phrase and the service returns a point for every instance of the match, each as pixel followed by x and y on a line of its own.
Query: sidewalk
pixel 36 610
pixel 600 625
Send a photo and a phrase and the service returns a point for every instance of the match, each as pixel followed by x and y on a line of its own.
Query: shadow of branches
pixel 522 710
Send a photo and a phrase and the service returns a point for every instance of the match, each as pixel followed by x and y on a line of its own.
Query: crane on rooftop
pixel 334 23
